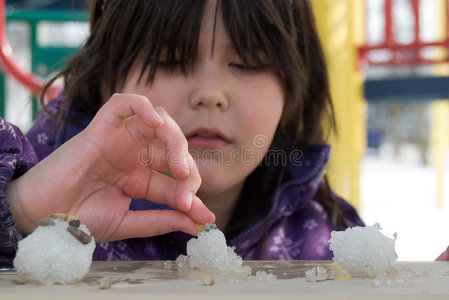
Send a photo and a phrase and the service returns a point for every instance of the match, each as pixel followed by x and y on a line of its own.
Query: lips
pixel 207 138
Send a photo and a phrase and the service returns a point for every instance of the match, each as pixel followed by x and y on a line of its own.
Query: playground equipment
pixel 45 59
pixel 342 27
pixel 411 54
pixel 10 65
pixel 427 87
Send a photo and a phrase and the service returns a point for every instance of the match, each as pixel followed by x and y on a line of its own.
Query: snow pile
pixel 210 253
pixel 363 251
pixel 56 252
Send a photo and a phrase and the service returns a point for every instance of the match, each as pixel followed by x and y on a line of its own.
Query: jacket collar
pixel 67 130
pixel 301 181
pixel 300 184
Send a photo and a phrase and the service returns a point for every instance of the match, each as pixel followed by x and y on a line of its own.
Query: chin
pixel 211 178
pixel 218 180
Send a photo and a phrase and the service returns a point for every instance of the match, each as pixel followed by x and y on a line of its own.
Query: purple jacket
pixel 297 227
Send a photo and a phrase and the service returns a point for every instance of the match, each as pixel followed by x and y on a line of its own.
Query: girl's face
pixel 227 110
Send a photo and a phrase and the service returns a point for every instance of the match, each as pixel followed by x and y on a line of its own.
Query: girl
pixel 246 84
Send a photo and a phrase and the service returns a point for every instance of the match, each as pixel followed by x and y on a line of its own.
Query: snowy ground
pixel 401 195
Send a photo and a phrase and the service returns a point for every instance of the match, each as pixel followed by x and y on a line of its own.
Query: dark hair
pixel 126 30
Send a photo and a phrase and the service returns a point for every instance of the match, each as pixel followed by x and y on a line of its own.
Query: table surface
pixel 163 279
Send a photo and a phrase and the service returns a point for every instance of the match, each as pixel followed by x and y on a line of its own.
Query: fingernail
pixel 159 118
pixel 186 165
pixel 158 111
pixel 189 200
pixel 213 217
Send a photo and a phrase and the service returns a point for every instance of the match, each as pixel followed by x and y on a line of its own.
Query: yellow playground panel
pixel 341 24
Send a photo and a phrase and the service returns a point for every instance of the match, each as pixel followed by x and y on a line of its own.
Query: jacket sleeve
pixel 16 157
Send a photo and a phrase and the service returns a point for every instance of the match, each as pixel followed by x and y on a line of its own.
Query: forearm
pixel 49 186
pixel 18 213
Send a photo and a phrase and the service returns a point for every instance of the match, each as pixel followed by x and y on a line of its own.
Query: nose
pixel 209 91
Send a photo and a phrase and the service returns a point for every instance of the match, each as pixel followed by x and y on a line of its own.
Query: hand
pixel 95 174
pixel 444 255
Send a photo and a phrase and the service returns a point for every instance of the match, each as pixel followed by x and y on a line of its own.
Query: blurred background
pixel 388 66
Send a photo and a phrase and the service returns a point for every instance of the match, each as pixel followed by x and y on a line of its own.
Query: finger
pixel 154 222
pixel 156 185
pixel 122 106
pixel 160 188
pixel 154 156
pixel 186 188
pixel 171 135
pixel 200 213
pixel 152 185
pixel 444 256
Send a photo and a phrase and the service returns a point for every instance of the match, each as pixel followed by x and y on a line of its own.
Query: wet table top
pixel 163 279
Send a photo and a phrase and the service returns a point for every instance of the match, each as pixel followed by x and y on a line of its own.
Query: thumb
pixel 444 256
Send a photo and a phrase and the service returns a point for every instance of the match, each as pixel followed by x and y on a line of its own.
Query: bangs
pixel 261 30
pixel 161 35
pixel 150 31
pixel 173 36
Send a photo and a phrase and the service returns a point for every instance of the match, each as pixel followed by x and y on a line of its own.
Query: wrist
pixel 14 199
